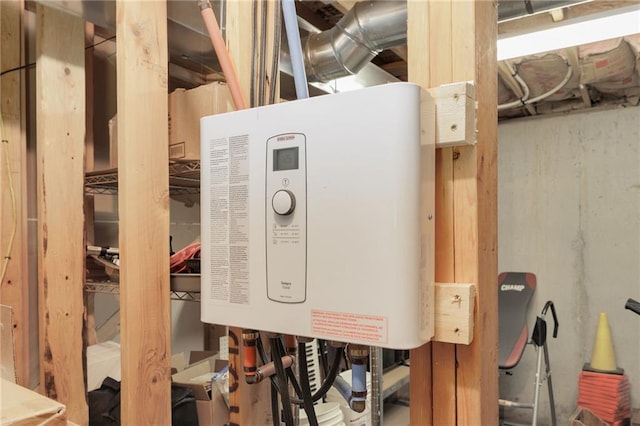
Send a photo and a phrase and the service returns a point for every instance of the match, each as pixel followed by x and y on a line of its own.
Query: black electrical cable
pixel 274 406
pixel 276 356
pixel 100 42
pixel 292 378
pixel 32 64
pixel 306 387
pixel 331 377
pixel 274 383
pixel 322 345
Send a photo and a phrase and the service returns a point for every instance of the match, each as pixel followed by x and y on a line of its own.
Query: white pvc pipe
pixel 295 48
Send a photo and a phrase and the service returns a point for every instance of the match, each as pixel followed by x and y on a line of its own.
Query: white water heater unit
pixel 312 222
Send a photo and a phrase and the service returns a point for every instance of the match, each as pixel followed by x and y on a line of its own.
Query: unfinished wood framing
pixel 248 404
pixel 14 288
pixel 451 41
pixel 89 202
pixel 143 199
pixel 60 112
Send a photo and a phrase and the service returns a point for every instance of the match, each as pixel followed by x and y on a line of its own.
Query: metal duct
pixel 368 28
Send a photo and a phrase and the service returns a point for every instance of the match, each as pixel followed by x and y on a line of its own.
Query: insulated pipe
pixel 358 355
pixel 222 53
pixel 368 28
pixel 249 340
pixel 269 369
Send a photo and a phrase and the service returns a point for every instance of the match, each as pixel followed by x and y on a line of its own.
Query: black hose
pixel 274 382
pixel 306 387
pixel 633 306
pixel 333 372
pixel 275 412
pixel 322 346
pixel 276 356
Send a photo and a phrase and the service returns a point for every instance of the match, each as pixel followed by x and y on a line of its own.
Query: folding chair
pixel 515 290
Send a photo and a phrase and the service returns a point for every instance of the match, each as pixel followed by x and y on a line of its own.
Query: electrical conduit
pixel 295 48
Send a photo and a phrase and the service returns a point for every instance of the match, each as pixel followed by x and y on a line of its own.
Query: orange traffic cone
pixel 603 359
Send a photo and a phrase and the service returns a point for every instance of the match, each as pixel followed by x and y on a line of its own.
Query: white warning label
pixel 349 326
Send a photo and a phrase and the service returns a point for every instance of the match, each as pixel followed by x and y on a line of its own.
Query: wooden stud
pixel 249 404
pixel 89 202
pixel 475 204
pixel 143 199
pixel 14 288
pixel 452 41
pixel 60 112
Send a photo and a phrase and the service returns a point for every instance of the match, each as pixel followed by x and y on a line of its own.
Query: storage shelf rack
pixel 184 178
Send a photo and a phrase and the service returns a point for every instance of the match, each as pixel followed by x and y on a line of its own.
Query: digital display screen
pixel 285 159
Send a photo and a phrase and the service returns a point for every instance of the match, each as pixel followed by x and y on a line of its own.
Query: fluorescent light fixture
pixel 574 32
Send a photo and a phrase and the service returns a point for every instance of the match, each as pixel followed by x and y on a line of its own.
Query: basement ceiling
pixel 600 74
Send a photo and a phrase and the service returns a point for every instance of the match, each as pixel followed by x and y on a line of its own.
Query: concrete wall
pixel 569 211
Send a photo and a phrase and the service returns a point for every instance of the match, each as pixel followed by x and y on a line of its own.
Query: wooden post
pixel 89 202
pixel 143 200
pixel 60 112
pixel 14 288
pixel 451 41
pixel 249 404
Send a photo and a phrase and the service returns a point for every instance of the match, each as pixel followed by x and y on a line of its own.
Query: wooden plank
pixel 89 202
pixel 14 284
pixel 433 365
pixel 461 42
pixel 60 113
pixel 475 204
pixel 249 404
pixel 455 114
pixel 143 199
pixel 420 372
pixel 454 305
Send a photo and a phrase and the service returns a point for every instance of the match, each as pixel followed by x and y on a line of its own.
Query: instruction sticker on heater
pixel 229 234
pixel 349 326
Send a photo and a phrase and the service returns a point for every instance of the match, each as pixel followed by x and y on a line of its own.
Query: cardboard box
pixel 21 406
pixel 186 107
pixel 584 417
pixel 212 409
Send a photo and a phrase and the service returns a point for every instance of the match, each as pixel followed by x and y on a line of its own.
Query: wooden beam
pixel 453 41
pixel 475 213
pixel 89 202
pixel 60 113
pixel 14 285
pixel 249 404
pixel 143 199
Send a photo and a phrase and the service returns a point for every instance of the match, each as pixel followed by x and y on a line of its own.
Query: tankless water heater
pixel 312 222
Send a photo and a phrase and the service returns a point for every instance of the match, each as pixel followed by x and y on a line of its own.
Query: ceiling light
pixel 573 32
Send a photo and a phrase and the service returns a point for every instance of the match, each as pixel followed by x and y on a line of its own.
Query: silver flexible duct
pixel 368 28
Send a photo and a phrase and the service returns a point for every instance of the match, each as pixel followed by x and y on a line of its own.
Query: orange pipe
pixel 222 53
